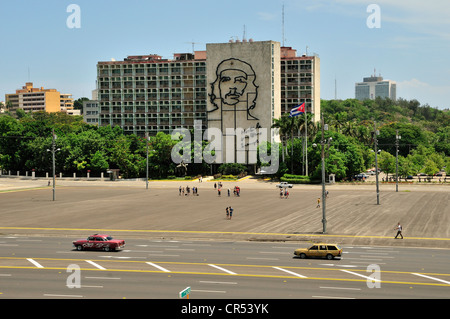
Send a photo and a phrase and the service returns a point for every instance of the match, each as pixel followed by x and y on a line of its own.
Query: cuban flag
pixel 297 110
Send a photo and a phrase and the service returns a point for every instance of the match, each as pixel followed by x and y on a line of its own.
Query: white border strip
pixel 437 279
pixel 290 272
pixel 356 274
pixel 156 266
pixel 35 263
pixel 95 265
pixel 223 269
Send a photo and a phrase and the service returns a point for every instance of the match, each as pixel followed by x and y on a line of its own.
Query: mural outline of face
pixel 232 85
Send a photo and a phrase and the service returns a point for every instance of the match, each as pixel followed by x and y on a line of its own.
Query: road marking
pixel 219 282
pixel 95 265
pixel 208 291
pixel 5 275
pixel 437 279
pixel 330 297
pixel 223 269
pixel 70 296
pixel 113 278
pixel 290 272
pixel 35 263
pixel 156 266
pixel 343 288
pixel 356 274
pixel 263 258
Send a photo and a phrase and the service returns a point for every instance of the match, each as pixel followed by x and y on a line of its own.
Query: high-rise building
pixel 32 99
pixel 300 81
pixel 373 87
pixel 147 94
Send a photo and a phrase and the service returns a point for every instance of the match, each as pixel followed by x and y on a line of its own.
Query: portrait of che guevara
pixel 234 89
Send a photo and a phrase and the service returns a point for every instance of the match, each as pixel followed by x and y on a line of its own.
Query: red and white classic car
pixel 99 242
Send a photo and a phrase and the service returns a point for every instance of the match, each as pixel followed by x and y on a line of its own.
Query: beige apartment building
pixel 32 99
pixel 145 94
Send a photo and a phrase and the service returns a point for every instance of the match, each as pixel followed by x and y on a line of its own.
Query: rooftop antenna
pixel 335 88
pixel 282 24
pixel 244 36
pixel 193 44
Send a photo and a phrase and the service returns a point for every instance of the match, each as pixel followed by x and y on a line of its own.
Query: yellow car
pixel 328 251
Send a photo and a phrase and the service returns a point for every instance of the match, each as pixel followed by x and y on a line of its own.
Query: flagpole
pixel 306 141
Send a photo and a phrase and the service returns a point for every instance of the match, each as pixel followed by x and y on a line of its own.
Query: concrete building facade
pixel 147 94
pixel 373 87
pixel 32 99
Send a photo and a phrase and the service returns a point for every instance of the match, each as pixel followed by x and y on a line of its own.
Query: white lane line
pixel 223 269
pixel 208 291
pixel 330 297
pixel 219 282
pixel 5 275
pixel 342 288
pixel 108 278
pixel 68 296
pixel 156 266
pixel 290 272
pixel 262 258
pixel 356 274
pixel 35 263
pixel 95 265
pixel 437 279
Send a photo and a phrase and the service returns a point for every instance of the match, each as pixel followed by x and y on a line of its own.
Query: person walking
pixel 228 213
pixel 318 202
pixel 399 229
pixel 231 212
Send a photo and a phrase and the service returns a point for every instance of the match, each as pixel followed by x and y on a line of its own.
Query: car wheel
pixel 79 247
pixel 107 248
pixel 330 256
pixel 302 256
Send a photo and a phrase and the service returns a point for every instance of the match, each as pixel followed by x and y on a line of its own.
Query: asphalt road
pixel 37 267
pixel 174 241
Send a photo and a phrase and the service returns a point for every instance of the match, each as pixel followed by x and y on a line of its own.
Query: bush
pixel 232 169
pixel 295 179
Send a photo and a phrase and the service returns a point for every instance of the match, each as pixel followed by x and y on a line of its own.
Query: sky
pixel 407 41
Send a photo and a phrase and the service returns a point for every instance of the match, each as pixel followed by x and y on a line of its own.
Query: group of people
pixel 284 193
pixel 186 191
pixel 229 211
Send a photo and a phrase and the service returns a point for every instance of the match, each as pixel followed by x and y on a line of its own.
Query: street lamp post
pixel 53 150
pixel 322 143
pixel 375 133
pixel 397 139
pixel 146 178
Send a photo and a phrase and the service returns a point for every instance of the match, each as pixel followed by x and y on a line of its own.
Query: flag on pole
pixel 297 110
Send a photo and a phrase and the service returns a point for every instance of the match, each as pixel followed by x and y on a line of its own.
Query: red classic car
pixel 98 241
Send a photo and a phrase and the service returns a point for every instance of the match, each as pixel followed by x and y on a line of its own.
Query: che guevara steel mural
pixel 234 91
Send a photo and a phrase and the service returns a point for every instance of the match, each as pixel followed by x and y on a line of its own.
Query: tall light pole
pixel 375 133
pixel 53 150
pixel 146 178
pixel 397 139
pixel 322 143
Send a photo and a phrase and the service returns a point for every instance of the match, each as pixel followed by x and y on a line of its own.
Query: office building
pixel 373 87
pixel 32 99
pixel 145 94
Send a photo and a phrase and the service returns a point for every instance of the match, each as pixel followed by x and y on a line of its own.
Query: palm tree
pixel 287 126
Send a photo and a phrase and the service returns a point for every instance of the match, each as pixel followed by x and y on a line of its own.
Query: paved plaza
pixel 127 209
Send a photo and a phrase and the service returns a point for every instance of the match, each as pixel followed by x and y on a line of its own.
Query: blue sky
pixel 411 47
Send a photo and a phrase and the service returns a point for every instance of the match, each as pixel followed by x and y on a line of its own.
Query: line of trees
pixel 424 146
